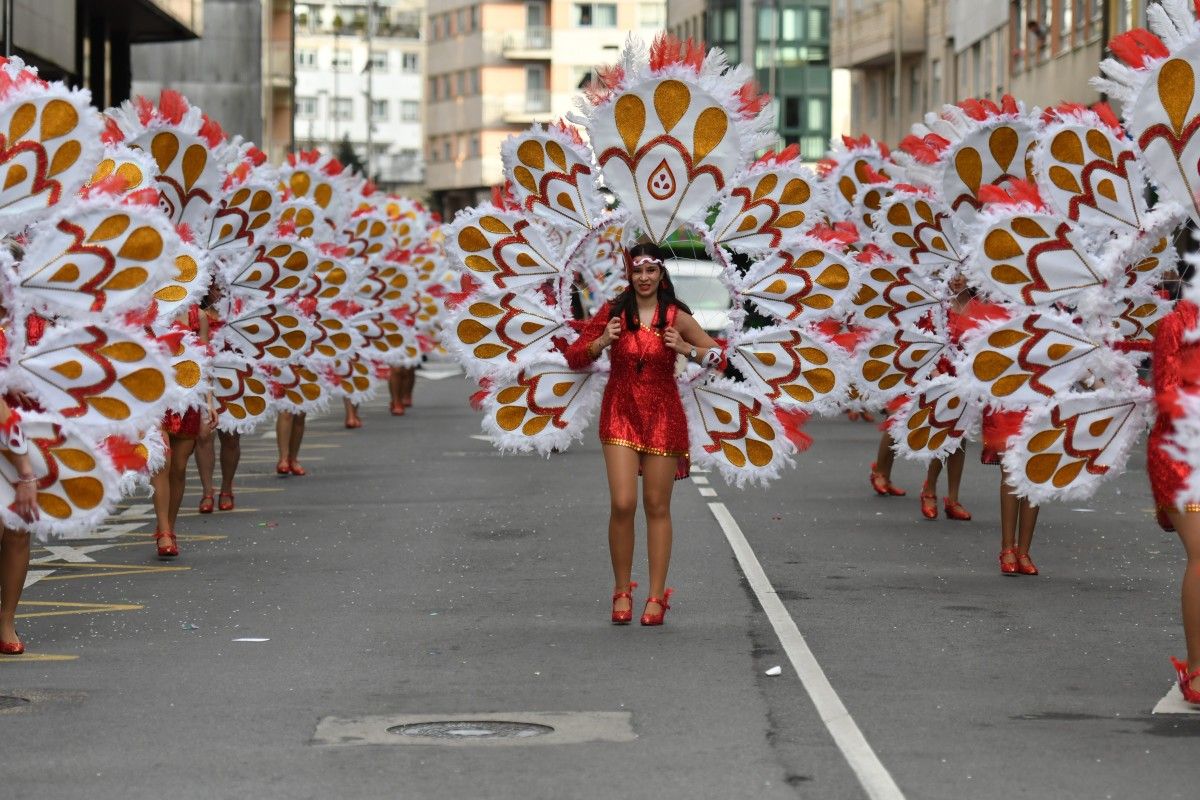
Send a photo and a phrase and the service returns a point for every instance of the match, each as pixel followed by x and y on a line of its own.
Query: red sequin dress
pixel 641 408
pixel 1176 366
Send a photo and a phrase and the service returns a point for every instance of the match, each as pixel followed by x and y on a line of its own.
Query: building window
pixel 791 113
pixel 306 107
pixel 340 61
pixel 343 108
pixel 462 21
pixel 446 149
pixel 379 110
pixel 472 82
pixel 475 153
pixel 595 15
pixel 410 111
pixel 817 114
pixel 474 18
pixel 652 16
pixel 306 59
pixel 379 62
pixel 410 62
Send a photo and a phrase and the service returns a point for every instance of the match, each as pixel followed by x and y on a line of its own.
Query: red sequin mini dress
pixel 1176 367
pixel 641 408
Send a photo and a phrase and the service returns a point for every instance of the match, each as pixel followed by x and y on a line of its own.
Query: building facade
pixel 497 66
pixel 359 83
pixel 907 57
pixel 240 72
pixel 787 42
pixel 89 44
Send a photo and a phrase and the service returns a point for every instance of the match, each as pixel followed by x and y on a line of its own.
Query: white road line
pixel 699 480
pixel 1174 703
pixel 706 492
pixel 871 772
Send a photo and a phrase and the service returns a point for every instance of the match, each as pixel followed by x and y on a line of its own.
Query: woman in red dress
pixel 181 433
pixel 643 428
pixel 206 448
pixel 1176 368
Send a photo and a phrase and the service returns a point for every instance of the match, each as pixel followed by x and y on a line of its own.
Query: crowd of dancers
pixel 1002 275
pixel 165 291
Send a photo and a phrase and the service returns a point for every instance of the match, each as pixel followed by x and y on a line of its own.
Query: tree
pixel 349 156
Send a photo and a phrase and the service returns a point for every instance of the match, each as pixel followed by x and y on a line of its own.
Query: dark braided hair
pixel 626 302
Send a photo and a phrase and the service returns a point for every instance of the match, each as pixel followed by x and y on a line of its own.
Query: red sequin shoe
pixel 883 486
pixel 283 468
pixel 624 617
pixel 1008 567
pixel 397 409
pixel 226 504
pixel 664 605
pixel 1190 695
pixel 168 550
pixel 297 470
pixel 12 648
pixel 206 504
pixel 928 503
pixel 955 510
pixel 1025 564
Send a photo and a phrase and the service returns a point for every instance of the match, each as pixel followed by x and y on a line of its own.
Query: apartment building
pixel 359 81
pixel 787 42
pixel 497 66
pixel 240 72
pixel 88 43
pixel 910 56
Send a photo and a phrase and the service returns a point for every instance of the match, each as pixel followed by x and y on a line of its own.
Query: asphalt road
pixel 417 575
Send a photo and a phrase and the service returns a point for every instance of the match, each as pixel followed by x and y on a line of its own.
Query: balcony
pixel 279 64
pixel 525 109
pixel 529 44
pixel 864 36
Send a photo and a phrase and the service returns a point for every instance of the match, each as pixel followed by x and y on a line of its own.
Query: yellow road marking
pixel 27 656
pixel 107 570
pixel 73 608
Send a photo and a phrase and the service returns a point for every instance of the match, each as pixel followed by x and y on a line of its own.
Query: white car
pixel 698 284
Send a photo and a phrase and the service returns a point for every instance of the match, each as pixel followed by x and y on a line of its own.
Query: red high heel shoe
pixel 12 648
pixel 624 617
pixel 170 550
pixel 225 505
pixel 283 468
pixel 354 423
pixel 883 486
pixel 397 409
pixel 296 469
pixel 1008 567
pixel 664 605
pixel 1025 564
pixel 1190 695
pixel 955 510
pixel 206 504
pixel 407 402
pixel 928 503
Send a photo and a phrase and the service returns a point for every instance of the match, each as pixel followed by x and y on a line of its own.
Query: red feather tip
pixel 334 167
pixel 307 306
pixel 926 150
pixel 126 456
pixel 667 50
pixel 237 175
pixel 310 156
pixel 171 341
pixel 841 232
pixel 286 227
pixel 872 175
pixel 750 102
pixel 1012 192
pixel 1109 117
pixel 142 197
pixel 144 108
pixel 570 130
pixel 185 233
pixel 210 131
pixel 172 106
pixel 112 133
pixel 335 250
pixel 114 184
pixel 256 157
pixel 825 166
pixel 1136 46
pixel 784 156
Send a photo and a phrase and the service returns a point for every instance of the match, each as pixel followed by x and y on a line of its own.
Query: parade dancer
pixel 673 131
pixel 14 541
pixel 642 424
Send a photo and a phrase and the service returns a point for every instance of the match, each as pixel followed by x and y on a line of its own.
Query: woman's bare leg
pixel 408 380
pixel 1009 506
pixel 954 472
pixel 884 457
pixel 231 455
pixel 658 479
pixel 297 437
pixel 1027 521
pixel 621 464
pixel 206 462
pixel 283 435
pixel 161 483
pixel 351 412
pixel 1187 525
pixel 181 453
pixel 931 476
pixel 394 380
pixel 14 565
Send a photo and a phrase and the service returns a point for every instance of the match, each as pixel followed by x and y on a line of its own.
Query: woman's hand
pixel 25 505
pixel 673 340
pixel 612 332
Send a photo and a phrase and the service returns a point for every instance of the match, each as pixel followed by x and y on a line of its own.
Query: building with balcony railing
pixel 358 84
pixel 240 72
pixel 495 67
pixel 787 42
pixel 90 44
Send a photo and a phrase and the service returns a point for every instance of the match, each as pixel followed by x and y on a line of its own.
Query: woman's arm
pixel 686 337
pixel 25 502
pixel 597 334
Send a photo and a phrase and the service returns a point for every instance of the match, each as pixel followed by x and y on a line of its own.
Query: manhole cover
pixel 466 729
pixel 11 701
